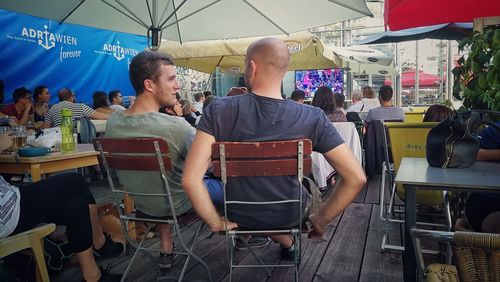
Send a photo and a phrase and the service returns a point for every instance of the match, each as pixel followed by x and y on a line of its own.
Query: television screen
pixel 309 80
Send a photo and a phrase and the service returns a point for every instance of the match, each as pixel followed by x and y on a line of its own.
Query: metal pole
pixel 397 79
pixel 449 74
pixel 441 94
pixel 417 98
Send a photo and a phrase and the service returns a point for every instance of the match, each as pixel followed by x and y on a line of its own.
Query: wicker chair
pixel 476 255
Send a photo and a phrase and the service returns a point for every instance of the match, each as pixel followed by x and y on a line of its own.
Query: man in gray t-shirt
pixel 263 115
pixel 386 111
pixel 153 77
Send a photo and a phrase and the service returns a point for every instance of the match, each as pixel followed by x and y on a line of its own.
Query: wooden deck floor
pixel 350 251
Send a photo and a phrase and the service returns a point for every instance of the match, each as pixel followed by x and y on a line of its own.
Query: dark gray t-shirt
pixel 254 118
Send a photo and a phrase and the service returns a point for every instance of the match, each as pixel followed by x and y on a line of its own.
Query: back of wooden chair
pixel 252 159
pixel 152 155
pixel 139 154
pixel 33 239
pixel 275 158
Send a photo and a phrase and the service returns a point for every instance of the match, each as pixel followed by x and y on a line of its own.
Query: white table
pixel 415 173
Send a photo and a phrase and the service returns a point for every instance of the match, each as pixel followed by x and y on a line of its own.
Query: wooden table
pixel 415 173
pixel 85 155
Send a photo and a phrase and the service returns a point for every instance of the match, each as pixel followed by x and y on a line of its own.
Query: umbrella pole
pixel 417 98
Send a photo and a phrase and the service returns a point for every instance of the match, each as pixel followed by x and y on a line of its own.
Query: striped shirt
pixel 9 208
pixel 79 110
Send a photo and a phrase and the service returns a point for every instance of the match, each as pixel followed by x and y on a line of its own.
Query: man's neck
pixel 386 104
pixel 143 104
pixel 268 91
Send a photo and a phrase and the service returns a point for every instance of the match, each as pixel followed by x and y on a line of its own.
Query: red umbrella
pixel 424 79
pixel 403 14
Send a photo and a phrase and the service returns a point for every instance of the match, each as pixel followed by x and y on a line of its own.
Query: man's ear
pixel 149 85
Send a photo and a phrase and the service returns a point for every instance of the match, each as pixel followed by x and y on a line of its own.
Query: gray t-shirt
pixel 254 118
pixel 179 136
pixel 385 113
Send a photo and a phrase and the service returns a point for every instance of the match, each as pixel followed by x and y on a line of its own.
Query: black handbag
pixel 454 143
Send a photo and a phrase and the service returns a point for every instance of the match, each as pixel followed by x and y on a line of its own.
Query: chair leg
pixel 448 254
pixel 36 243
pixel 137 250
pixel 382 192
pixel 268 271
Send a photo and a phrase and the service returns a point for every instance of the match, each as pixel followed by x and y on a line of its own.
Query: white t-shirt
pixel 9 208
pixel 117 108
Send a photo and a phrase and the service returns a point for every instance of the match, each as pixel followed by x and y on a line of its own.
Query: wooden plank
pixel 373 191
pixel 361 197
pixel 345 252
pixel 313 252
pixel 379 266
pixel 271 254
pixel 217 262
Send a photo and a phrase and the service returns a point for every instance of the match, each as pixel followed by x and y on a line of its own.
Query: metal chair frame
pixel 388 216
pixel 228 162
pixel 146 154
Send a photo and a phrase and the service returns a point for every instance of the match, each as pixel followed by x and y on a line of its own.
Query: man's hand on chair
pixel 221 225
pixel 318 226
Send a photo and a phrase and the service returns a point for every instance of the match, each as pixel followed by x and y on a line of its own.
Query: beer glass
pixel 20 137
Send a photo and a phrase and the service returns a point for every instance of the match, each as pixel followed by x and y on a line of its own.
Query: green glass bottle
pixel 67 140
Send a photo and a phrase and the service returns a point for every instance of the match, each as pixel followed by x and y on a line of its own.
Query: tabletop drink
pixel 20 137
pixel 67 139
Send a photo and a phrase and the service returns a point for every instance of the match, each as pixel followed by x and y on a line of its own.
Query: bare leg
pixel 97 234
pixel 491 223
pixel 284 240
pixel 165 237
pixel 90 270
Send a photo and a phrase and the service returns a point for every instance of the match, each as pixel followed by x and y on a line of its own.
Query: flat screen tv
pixel 309 80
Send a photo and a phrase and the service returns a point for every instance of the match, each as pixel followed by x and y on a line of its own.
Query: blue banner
pixel 36 51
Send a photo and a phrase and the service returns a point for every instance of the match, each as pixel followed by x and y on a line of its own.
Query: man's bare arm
pixel 488 155
pixel 353 180
pixel 197 162
pixel 99 115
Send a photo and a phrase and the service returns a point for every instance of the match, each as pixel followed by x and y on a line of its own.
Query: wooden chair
pixel 152 155
pixel 251 159
pixel 476 256
pixel 406 140
pixel 32 239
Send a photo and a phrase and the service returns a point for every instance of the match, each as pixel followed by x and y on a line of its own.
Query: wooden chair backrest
pixel 272 158
pixel 138 153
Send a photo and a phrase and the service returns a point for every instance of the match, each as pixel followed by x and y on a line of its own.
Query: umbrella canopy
pixel 449 31
pixel 358 59
pixel 424 79
pixel 306 52
pixel 183 20
pixel 403 14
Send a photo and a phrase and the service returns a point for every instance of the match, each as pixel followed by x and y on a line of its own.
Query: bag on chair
pixel 454 143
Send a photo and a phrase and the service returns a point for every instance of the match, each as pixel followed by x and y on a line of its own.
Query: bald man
pixel 263 115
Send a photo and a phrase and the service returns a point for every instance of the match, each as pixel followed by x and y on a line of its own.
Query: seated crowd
pixel 255 113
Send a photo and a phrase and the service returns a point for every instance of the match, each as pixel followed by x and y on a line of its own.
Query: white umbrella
pixel 361 59
pixel 190 20
pixel 306 52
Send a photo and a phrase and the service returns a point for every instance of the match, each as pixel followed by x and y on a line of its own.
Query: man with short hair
pixel 263 115
pixel 154 79
pixel 22 110
pixel 67 101
pixel 386 111
pixel 298 96
pixel 199 98
pixel 116 100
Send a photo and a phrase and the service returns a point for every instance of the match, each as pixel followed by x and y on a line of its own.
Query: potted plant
pixel 477 76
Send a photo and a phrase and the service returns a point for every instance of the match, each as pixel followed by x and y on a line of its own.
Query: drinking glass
pixel 20 137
